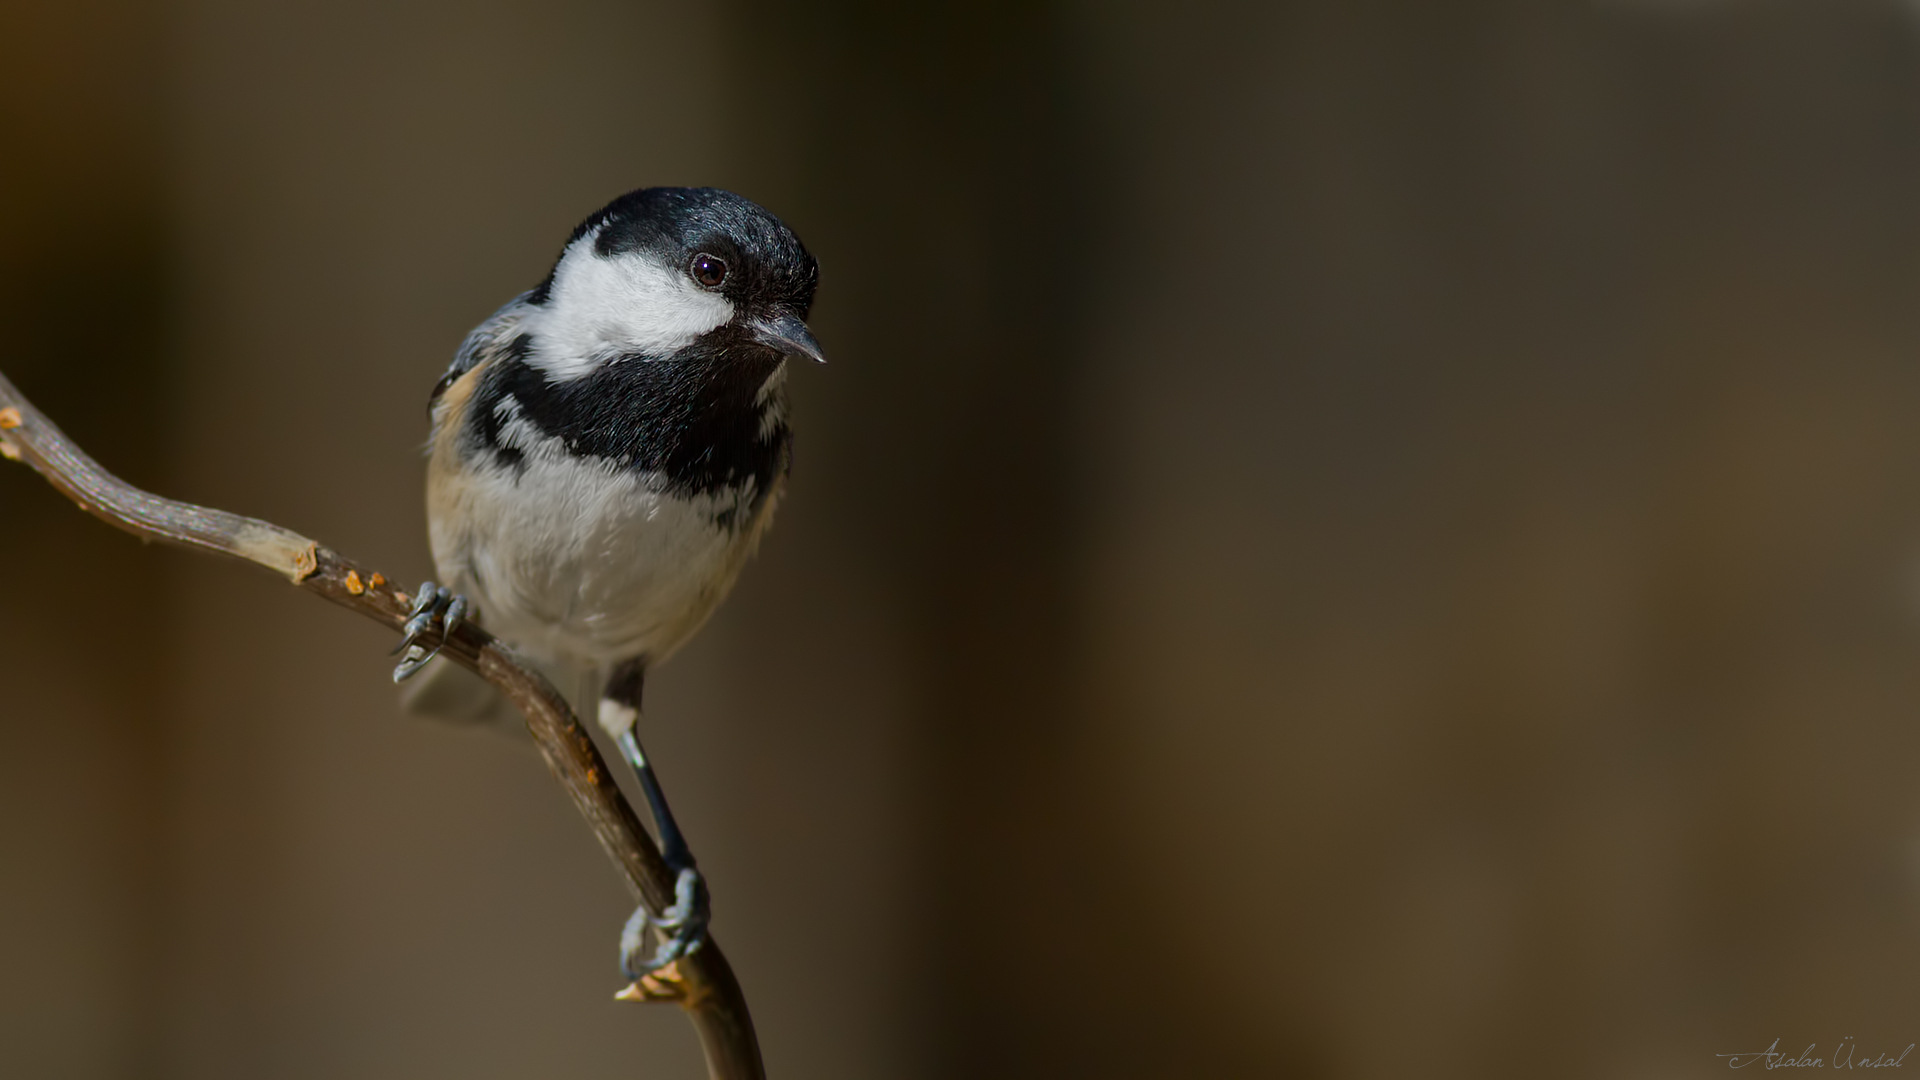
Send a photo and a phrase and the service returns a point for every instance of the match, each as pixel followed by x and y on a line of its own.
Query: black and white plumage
pixel 609 447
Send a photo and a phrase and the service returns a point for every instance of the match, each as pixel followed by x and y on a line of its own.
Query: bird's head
pixel 658 269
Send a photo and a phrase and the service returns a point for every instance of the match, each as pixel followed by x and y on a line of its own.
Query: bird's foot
pixel 431 605
pixel 680 930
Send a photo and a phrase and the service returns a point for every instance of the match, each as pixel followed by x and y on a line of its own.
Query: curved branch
pixel 703 984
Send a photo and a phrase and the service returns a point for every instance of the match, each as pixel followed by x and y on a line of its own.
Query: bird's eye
pixel 709 270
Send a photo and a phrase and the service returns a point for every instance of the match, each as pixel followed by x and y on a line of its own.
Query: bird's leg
pixel 432 604
pixel 682 928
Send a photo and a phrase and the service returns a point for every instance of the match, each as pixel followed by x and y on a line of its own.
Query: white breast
pixel 578 561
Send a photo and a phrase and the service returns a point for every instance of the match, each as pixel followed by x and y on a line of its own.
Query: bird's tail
pixel 446 692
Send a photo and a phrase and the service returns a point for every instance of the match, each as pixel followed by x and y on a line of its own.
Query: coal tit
pixel 607 450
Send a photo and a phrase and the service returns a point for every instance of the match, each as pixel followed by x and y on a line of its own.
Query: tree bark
pixel 703 984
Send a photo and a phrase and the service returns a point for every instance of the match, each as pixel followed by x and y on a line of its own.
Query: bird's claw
pixel 431 605
pixel 680 930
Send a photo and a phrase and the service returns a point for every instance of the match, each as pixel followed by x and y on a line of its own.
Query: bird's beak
pixel 791 336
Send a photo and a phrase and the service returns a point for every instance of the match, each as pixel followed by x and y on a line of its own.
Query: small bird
pixel 607 451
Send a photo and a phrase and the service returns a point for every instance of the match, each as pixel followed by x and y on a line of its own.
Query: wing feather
pixel 483 343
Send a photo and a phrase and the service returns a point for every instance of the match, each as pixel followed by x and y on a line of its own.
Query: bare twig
pixel 703 983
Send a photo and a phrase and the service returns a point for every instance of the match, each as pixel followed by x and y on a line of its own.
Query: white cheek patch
pixel 603 307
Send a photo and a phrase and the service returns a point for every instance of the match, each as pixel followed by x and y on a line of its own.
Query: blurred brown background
pixel 1338 540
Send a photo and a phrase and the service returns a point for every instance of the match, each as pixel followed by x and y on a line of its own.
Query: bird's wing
pixel 486 341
